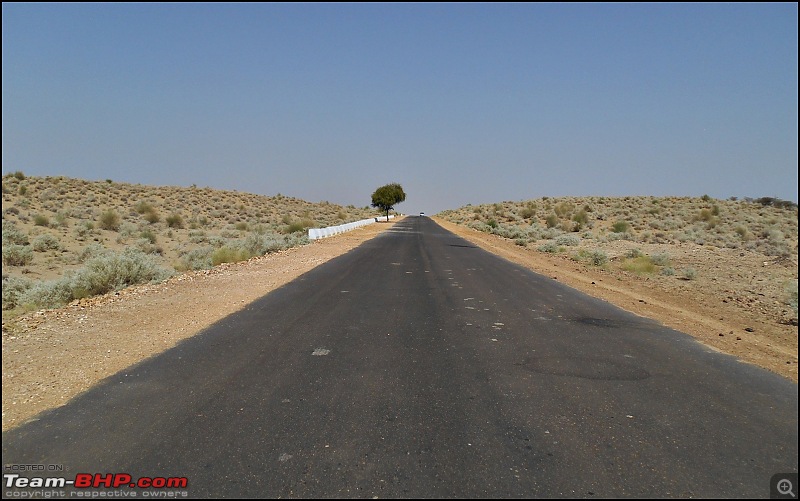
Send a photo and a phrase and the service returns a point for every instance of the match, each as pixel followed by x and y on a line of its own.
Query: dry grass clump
pixel 49 224
pixel 106 271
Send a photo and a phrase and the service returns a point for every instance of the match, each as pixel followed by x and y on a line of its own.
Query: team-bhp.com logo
pixel 95 481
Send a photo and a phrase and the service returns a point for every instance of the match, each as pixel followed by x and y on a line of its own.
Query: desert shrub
pixel 228 254
pixel 19 175
pixel 298 226
pixel 17 255
pixel 111 271
pixel 143 207
pixel 84 229
pixel 91 251
pixel 241 226
pixel 621 227
pixel 259 245
pixel 689 273
pixel 13 288
pixel 294 227
pixel 549 234
pixel 564 209
pixel 668 271
pixel 198 237
pixel 568 240
pixel 791 291
pixel 641 264
pixel 47 195
pixel 148 235
pixel 568 226
pixel 551 221
pixel 41 220
pixel 773 235
pixel 660 259
pixel 634 253
pixel 13 236
pixel 254 244
pixel 174 221
pixel 48 294
pixel 549 247
pixel 46 242
pixel 61 220
pixel 527 213
pixel 290 241
pixel 146 246
pixel 743 232
pixel 581 217
pixel 127 230
pixel 196 259
pixel 152 216
pixel 777 202
pixel 109 220
pixel 597 257
pixel 619 236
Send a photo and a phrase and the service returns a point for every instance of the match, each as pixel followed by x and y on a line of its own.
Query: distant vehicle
pixel 421 213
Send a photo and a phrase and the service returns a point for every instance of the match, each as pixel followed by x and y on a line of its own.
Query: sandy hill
pixel 55 228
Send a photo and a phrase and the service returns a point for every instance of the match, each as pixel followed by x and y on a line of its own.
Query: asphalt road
pixel 418 365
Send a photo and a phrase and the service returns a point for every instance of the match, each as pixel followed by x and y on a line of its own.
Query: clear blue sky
pixel 460 103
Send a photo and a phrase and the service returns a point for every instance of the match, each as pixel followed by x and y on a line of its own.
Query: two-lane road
pixel 418 365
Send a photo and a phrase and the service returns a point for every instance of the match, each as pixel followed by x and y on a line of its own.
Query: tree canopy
pixel 387 196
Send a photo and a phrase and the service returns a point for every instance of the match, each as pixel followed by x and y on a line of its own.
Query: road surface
pixel 418 365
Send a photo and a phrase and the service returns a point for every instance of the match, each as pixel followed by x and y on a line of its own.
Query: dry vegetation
pixel 766 225
pixel 722 270
pixel 66 239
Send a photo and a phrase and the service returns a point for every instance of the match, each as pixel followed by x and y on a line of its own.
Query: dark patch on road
pixel 585 368
pixel 608 323
pixel 599 322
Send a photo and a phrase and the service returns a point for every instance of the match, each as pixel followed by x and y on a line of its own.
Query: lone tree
pixel 386 197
